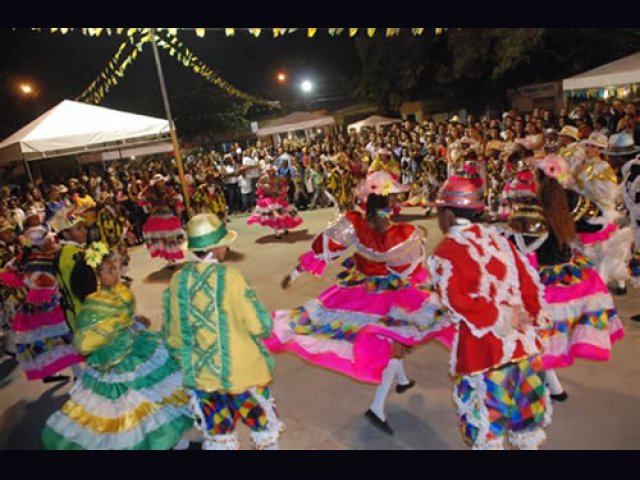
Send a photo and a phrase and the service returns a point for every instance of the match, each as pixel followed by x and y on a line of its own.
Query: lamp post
pixel 172 127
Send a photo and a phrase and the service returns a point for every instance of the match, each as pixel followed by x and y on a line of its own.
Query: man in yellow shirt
pixel 215 326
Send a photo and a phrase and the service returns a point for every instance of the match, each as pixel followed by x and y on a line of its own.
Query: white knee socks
pixel 388 375
pixel 401 375
pixel 555 387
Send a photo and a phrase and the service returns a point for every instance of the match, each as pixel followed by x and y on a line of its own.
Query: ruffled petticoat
pixel 44 343
pixel 585 323
pixel 275 213
pixel 163 234
pixel 610 251
pixel 138 404
pixel 349 327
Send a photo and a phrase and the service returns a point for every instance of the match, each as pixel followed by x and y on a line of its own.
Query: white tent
pixel 72 128
pixel 129 152
pixel 624 71
pixel 294 122
pixel 374 121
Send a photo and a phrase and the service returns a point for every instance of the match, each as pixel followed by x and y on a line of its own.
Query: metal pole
pixel 26 167
pixel 172 127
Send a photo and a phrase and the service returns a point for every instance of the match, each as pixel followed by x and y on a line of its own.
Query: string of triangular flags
pixel 115 69
pixel 256 32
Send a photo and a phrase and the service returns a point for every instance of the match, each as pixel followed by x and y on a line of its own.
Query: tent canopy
pixel 620 72
pixel 128 152
pixel 374 121
pixel 294 122
pixel 71 128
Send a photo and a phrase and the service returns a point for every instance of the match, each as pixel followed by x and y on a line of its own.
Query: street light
pixel 26 89
pixel 306 86
pixel 282 77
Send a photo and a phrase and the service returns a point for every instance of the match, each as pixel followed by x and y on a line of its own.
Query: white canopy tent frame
pixel 72 128
pixel 375 121
pixel 294 122
pixel 623 71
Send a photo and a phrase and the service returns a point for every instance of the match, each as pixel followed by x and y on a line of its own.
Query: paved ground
pixel 323 410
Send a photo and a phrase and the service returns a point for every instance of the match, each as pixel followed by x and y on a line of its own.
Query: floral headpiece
pixel 556 167
pixel 95 254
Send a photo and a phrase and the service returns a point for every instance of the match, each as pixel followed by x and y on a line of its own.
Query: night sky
pixel 62 66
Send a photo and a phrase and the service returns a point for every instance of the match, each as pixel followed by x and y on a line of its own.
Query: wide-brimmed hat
pixel 570 131
pixel 35 236
pixel 206 231
pixel 596 139
pixel 158 178
pixel 379 183
pixel 65 219
pixel 621 144
pixel 60 188
pixel 460 192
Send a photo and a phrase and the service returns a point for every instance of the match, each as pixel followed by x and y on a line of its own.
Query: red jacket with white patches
pixel 481 278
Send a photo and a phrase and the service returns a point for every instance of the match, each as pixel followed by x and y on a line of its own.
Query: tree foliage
pixel 477 66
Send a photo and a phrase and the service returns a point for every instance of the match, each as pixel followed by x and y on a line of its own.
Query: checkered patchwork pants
pixel 510 401
pixel 217 413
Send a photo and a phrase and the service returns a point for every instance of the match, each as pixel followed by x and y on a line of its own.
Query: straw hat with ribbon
pixel 65 219
pixel 206 231
pixel 571 132
pixel 596 139
pixel 621 144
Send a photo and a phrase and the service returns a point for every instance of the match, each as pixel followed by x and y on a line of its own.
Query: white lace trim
pixel 228 441
pixel 529 440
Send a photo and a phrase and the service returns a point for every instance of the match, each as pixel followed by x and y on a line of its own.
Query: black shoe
pixel 55 378
pixel 404 388
pixel 635 318
pixel 620 291
pixel 560 397
pixel 13 355
pixel 379 424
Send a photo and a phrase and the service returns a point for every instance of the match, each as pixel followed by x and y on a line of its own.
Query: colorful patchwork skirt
pixel 349 328
pixel 585 323
pixel 511 401
pixel 137 404
pixel 44 343
pixel 163 235
pixel 275 213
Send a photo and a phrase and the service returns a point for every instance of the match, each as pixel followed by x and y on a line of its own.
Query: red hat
pixel 460 192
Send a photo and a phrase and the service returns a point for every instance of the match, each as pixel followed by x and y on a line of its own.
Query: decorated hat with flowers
pixel 379 183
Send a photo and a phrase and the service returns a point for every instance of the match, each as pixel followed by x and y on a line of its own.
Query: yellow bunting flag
pixel 352 32
pixel 200 32
pixel 311 32
pixel 371 32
